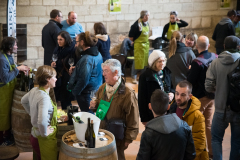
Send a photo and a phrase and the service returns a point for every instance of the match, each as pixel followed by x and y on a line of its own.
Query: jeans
pixel 84 102
pixel 219 50
pixel 218 129
pixel 135 71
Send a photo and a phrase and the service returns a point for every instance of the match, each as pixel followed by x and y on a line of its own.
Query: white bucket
pixel 80 128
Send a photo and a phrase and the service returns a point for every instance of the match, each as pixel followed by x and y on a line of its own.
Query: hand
pixel 23 68
pixel 144 123
pixel 53 64
pixel 92 105
pixel 189 67
pixel 71 69
pixel 132 43
pixel 170 95
pixel 178 19
pixel 49 130
pixel 126 144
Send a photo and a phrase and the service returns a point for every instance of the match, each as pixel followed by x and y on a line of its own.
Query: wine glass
pixel 93 95
pixel 71 62
pixel 54 57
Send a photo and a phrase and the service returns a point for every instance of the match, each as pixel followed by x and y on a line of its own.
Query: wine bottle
pixel 22 82
pixel 79 119
pixel 91 139
pixel 73 117
pixel 31 83
pixel 87 131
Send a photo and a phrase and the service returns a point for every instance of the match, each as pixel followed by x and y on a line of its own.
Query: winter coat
pixel 147 85
pixel 216 77
pixel 49 39
pixel 124 106
pixel 167 138
pixel 196 120
pixel 179 63
pixel 103 45
pixel 223 29
pixel 87 75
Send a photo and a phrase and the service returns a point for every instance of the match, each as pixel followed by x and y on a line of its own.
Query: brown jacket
pixel 124 106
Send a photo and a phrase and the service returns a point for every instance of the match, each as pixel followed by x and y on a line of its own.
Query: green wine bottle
pixel 73 117
pixel 79 119
pixel 87 131
pixel 91 139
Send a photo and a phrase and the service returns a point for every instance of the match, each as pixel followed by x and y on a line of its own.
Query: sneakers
pixel 134 81
pixel 6 143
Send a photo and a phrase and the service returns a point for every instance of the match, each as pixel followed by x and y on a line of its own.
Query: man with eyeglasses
pixel 49 35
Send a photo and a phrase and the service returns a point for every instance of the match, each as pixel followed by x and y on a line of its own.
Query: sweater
pixel 76 28
pixel 216 78
pixel 37 104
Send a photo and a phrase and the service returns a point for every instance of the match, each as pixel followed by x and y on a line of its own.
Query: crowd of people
pixel 182 101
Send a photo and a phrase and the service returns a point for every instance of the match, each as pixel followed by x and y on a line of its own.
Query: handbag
pixel 116 127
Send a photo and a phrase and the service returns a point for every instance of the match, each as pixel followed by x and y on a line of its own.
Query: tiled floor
pixel 132 150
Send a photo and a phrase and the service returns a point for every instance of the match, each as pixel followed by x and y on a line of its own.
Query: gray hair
pixel 143 13
pixel 114 65
pixel 174 13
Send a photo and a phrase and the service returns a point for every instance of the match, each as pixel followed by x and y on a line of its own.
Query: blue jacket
pixel 104 47
pixel 87 75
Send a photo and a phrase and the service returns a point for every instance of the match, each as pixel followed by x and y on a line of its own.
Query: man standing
pixel 187 108
pixel 165 133
pixel 71 25
pixel 197 76
pixel 217 82
pixel 49 35
pixel 223 29
pixel 138 34
pixel 236 23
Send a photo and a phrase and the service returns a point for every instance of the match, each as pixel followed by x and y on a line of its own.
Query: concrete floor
pixel 132 150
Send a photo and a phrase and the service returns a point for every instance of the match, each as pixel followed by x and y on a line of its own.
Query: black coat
pixel 167 138
pixel 49 39
pixel 147 85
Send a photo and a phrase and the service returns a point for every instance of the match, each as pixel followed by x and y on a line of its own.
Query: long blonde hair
pixel 176 36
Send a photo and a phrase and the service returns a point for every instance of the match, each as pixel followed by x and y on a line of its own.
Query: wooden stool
pixel 9 153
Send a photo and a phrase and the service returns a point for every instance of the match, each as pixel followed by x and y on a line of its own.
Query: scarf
pixel 140 24
pixel 111 89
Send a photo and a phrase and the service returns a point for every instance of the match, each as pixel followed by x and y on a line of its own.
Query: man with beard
pixel 187 108
pixel 71 25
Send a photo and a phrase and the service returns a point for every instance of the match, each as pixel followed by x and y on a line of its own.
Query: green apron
pixel 48 145
pixel 237 30
pixel 104 106
pixel 6 98
pixel 171 29
pixel 141 49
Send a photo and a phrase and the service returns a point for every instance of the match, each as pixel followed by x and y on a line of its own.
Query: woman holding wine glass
pixel 63 58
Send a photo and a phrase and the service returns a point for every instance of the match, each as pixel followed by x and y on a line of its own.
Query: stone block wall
pixel 202 16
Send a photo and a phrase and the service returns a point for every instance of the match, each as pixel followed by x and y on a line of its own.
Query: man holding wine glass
pixel 63 58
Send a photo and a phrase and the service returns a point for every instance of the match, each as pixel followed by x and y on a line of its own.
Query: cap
pixel 154 56
pixel 231 42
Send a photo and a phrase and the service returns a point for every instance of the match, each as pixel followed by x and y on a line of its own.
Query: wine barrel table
pixel 104 150
pixel 62 129
pixel 9 153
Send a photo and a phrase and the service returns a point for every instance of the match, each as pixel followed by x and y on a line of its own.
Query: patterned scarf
pixel 111 89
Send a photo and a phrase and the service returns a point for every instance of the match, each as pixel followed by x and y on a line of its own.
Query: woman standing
pixel 43 113
pixel 64 51
pixel 8 74
pixel 104 42
pixel 172 26
pixel 87 76
pixel 157 76
pixel 191 41
pixel 179 58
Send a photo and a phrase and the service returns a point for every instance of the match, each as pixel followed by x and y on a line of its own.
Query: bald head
pixel 72 18
pixel 202 43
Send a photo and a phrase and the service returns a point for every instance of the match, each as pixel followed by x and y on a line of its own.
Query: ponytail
pixel 89 39
pixel 176 36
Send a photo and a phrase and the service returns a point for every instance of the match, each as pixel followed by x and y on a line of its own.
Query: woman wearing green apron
pixel 139 33
pixel 8 73
pixel 172 26
pixel 43 113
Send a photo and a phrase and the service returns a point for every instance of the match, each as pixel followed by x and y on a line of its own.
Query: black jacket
pixel 134 31
pixel 197 75
pixel 165 29
pixel 167 138
pixel 49 39
pixel 223 29
pixel 147 85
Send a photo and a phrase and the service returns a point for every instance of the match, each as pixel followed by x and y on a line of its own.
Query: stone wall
pixel 202 16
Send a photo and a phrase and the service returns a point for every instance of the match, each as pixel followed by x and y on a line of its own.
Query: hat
pixel 231 42
pixel 154 56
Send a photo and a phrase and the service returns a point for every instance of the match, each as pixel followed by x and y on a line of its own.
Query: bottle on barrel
pixel 76 119
pixel 87 131
pixel 91 138
pixel 22 82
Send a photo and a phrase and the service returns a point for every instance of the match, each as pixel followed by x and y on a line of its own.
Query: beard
pixel 71 22
pixel 183 103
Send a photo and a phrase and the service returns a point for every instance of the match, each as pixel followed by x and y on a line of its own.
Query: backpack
pixel 233 99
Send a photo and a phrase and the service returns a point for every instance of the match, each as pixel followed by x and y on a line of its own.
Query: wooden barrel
pixel 21 123
pixel 107 152
pixel 8 153
pixel 62 129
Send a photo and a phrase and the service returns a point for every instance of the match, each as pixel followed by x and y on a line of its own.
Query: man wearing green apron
pixel 172 26
pixel 8 73
pixel 139 33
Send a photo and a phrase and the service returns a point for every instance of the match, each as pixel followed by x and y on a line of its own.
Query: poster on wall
pixel 115 6
pixel 225 4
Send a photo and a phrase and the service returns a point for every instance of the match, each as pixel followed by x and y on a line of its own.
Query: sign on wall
pixel 115 6
pixel 11 18
pixel 225 4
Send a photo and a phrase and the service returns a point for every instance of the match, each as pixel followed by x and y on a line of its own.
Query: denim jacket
pixel 87 75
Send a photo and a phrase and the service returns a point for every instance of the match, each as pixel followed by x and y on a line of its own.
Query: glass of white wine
pixel 93 95
pixel 71 62
pixel 54 57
